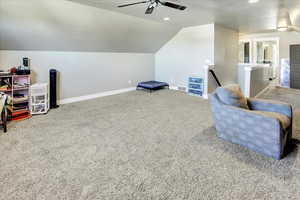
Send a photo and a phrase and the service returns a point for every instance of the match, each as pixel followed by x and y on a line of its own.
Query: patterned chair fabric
pixel 266 127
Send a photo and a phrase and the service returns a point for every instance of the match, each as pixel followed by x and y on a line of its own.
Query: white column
pixel 247 83
pixel 206 78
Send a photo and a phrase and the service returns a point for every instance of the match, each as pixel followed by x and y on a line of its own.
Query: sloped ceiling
pixel 236 14
pixel 61 25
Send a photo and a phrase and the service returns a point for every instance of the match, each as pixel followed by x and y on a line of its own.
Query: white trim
pixel 205 96
pixel 206 78
pixel 276 65
pixel 250 49
pixel 247 83
pixel 93 96
pixel 205 84
pixel 262 39
pixel 173 87
pixel 261 92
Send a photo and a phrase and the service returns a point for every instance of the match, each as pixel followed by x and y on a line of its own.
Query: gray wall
pixel 259 80
pixel 83 73
pixel 226 54
pixel 61 25
pixel 60 34
pixel 253 78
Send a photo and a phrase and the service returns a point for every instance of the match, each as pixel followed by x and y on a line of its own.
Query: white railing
pixel 206 80
pixel 253 78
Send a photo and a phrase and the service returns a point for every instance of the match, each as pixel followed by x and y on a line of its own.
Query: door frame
pixel 276 66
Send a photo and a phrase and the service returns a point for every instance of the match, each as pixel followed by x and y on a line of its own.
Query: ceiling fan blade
pixel 296 28
pixel 131 4
pixel 173 5
pixel 149 10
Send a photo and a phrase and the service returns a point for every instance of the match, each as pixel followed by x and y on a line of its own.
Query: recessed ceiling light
pixel 167 19
pixel 253 1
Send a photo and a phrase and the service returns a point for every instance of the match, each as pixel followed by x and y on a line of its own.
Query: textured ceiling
pixel 236 14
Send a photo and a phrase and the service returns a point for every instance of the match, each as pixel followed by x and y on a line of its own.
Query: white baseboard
pixel 173 88
pixel 205 96
pixel 93 96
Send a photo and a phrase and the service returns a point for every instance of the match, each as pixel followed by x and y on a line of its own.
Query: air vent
pixel 182 88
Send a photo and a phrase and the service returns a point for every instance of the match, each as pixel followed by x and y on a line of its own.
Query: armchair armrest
pixel 270 106
pixel 255 123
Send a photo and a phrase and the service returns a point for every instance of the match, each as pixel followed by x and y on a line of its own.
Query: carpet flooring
pixel 139 146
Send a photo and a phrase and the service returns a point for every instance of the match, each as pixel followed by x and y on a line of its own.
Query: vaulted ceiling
pixel 99 25
pixel 236 14
pixel 61 25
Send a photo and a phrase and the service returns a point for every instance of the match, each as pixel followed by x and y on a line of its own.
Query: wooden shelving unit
pixel 18 87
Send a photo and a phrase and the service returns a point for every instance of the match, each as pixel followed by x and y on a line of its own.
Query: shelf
pixel 37 104
pixel 20 93
pixel 5 76
pixel 25 75
pixel 9 90
pixel 20 110
pixel 21 117
pixel 19 102
pixel 196 89
pixel 23 88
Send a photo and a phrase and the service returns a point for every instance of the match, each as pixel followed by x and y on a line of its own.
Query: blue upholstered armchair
pixel 261 125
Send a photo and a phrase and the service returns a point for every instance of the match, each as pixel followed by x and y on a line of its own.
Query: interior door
pixel 295 66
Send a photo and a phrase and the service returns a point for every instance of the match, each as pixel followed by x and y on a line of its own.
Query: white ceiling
pixel 236 14
pixel 61 25
pixel 99 25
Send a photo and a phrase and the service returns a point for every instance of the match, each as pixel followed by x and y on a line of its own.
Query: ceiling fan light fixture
pixel 284 21
pixel 152 4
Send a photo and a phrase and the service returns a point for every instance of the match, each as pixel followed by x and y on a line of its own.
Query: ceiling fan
pixel 284 22
pixel 155 3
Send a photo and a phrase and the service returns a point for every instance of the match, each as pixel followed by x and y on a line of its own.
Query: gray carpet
pixel 137 146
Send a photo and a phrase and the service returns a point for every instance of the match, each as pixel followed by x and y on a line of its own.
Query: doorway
pixel 266 52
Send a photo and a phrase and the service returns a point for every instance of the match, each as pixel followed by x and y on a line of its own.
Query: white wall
pixel 226 55
pixel 286 39
pixel 185 54
pixel 83 73
pixel 192 48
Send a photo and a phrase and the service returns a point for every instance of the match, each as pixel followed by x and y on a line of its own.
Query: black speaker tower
pixel 53 92
pixel 26 62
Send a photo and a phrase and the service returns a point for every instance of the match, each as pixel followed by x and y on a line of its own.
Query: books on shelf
pixel 21 99
pixel 17 86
